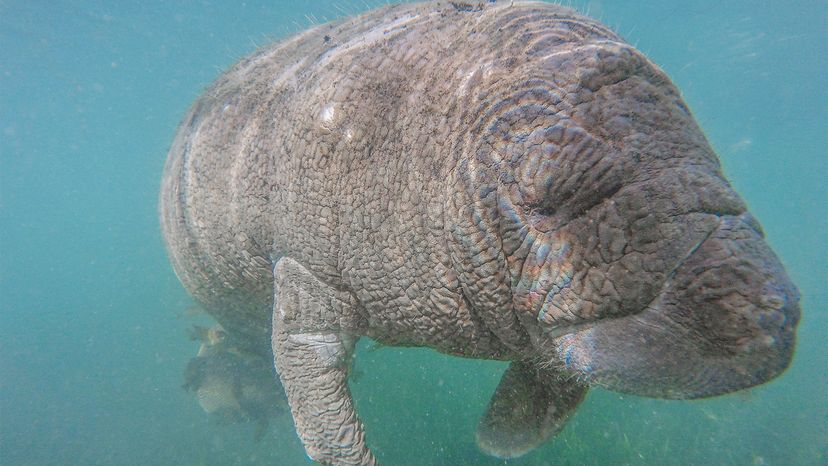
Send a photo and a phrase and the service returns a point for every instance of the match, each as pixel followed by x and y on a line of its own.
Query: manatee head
pixel 631 261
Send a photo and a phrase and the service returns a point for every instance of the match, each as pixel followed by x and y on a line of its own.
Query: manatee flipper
pixel 311 352
pixel 528 407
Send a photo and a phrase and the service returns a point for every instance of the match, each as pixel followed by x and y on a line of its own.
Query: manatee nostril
pixel 774 319
pixel 751 221
pixel 767 341
pixel 778 305
pixel 773 301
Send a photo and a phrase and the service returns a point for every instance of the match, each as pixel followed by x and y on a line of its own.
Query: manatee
pixel 232 385
pixel 499 180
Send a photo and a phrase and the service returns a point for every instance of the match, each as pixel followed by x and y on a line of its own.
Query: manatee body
pixel 492 180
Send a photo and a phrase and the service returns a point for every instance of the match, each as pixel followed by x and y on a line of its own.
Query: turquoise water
pixel 93 336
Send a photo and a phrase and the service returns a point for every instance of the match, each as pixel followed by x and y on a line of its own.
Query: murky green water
pixel 92 338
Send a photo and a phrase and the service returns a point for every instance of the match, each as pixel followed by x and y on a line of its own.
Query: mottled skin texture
pixel 497 181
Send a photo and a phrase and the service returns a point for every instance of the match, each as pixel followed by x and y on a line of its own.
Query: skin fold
pixel 491 180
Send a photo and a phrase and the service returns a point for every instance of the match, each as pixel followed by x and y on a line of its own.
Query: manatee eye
pixel 548 175
pixel 537 174
pixel 588 171
pixel 546 210
pixel 547 162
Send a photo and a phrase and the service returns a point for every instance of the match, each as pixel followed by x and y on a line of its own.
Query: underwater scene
pixel 106 359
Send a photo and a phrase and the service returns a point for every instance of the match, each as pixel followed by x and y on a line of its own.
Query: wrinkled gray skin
pixel 492 181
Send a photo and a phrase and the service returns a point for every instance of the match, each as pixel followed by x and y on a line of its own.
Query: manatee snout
pixel 724 320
